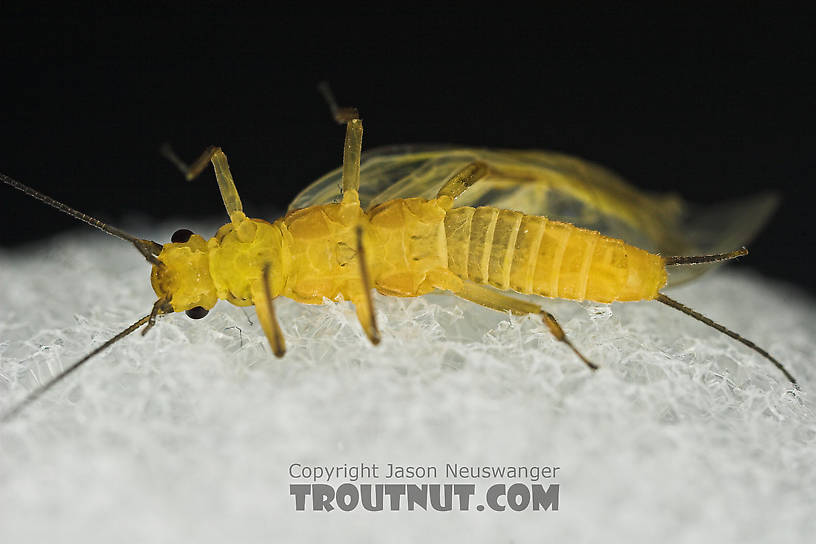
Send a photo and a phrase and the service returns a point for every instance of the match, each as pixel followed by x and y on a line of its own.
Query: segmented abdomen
pixel 534 255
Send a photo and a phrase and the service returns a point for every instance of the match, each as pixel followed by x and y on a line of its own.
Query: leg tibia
pixel 226 184
pixel 460 182
pixel 489 298
pixel 262 297
pixel 352 147
pixel 351 161
pixel 363 302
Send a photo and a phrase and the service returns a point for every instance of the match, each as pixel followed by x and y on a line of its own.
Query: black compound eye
pixel 181 236
pixel 196 313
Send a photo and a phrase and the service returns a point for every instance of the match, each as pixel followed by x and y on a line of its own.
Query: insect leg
pixel 222 174
pixel 351 161
pixel 262 297
pixel 364 303
pixel 460 182
pixel 352 147
pixel 492 299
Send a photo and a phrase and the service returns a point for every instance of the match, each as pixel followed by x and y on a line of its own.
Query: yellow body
pixel 389 234
pixel 413 246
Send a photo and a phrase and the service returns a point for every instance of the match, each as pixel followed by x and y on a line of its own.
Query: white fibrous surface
pixel 187 434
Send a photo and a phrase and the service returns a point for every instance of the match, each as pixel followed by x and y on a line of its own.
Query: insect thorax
pixel 404 241
pixel 238 255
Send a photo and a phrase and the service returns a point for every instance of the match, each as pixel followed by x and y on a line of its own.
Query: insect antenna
pixel 147 248
pixel 700 317
pixel 700 259
pixel 37 393
pixel 162 306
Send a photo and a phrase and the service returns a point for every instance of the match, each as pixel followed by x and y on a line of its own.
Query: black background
pixel 713 106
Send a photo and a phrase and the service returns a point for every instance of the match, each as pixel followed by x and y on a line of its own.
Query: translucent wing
pixel 559 187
